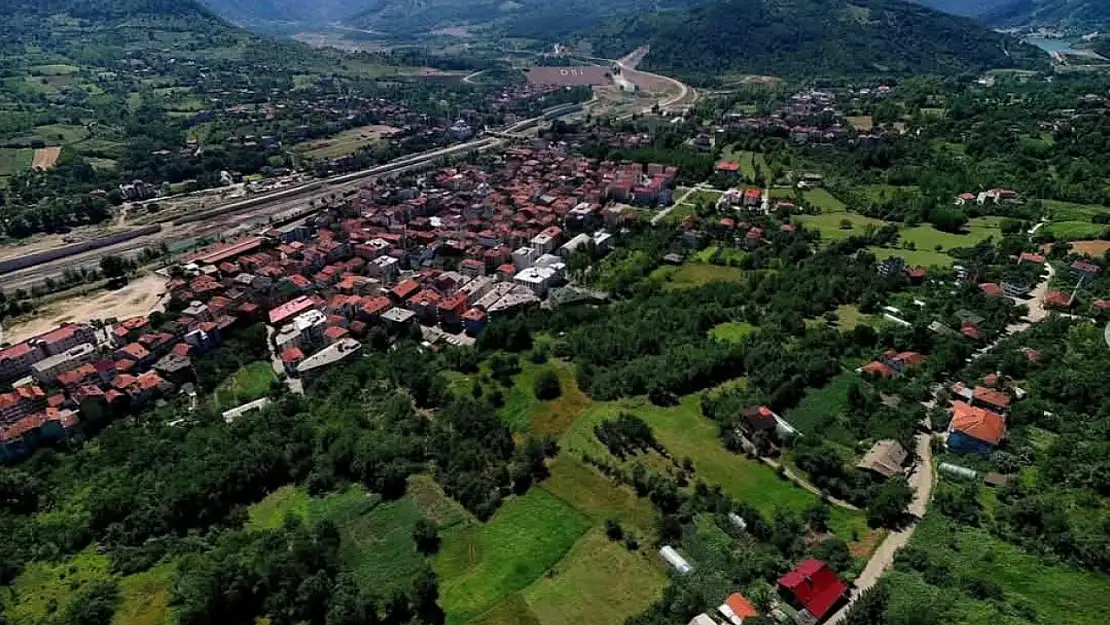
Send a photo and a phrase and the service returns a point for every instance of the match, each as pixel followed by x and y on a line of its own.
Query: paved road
pixel 666 211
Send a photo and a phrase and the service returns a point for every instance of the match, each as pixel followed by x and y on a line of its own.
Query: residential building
pixel 814 588
pixel 974 430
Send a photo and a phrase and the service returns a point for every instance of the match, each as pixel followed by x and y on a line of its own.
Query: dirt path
pixel 794 477
pixel 922 480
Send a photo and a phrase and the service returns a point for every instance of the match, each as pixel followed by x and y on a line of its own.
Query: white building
pixel 536 279
pixel 384 268
pixel 49 368
pixel 524 258
pixel 306 330
pixel 543 243
pixel 572 246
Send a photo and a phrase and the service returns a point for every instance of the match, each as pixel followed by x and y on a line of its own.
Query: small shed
pixel 885 459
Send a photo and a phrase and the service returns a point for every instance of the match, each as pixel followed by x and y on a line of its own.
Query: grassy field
pixel 479 566
pixel 886 191
pixel 1074 230
pixel 923 258
pixel 861 122
pixel 750 162
pixel 247 384
pixel 377 541
pixel 146 597
pixel 927 237
pixel 693 275
pixel 822 199
pixel 597 496
pixel 344 143
pixel 830 225
pixel 1058 593
pixel 684 432
pixel 632 581
pixel 732 331
pixel 704 196
pixel 821 411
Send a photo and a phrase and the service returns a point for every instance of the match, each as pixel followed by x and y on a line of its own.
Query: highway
pixel 220 219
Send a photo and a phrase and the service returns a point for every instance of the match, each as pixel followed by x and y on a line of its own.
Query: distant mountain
pixel 813 37
pixel 969 8
pixel 304 12
pixel 1074 13
pixel 538 19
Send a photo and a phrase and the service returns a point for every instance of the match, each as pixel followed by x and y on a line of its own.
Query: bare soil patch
pixel 45 158
pixel 140 297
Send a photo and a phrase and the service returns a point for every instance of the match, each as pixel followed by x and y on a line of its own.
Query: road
pixel 295 386
pixel 923 478
pixel 666 211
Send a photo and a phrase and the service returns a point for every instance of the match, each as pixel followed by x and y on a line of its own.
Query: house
pixel 990 289
pixel 1056 299
pixel 892 266
pixel 757 419
pixel 974 430
pixel 990 399
pixel 877 369
pixel 702 619
pixel 736 608
pixel 1083 270
pixel 727 167
pixel 1030 257
pixel 900 361
pixel 885 459
pixel 814 588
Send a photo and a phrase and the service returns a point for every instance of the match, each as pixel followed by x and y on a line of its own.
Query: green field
pixel 927 237
pixel 822 199
pixel 1074 230
pixel 481 565
pixel 45 588
pixel 1057 592
pixel 749 162
pixel 684 432
pixel 886 191
pixel 377 541
pixel 830 225
pixel 822 411
pixel 732 331
pixel 693 275
pixel 704 196
pixel 631 581
pixel 918 257
pixel 245 385
pixel 14 160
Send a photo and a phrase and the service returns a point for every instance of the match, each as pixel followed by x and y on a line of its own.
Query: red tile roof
pixel 815 586
pixel 991 289
pixel 740 606
pixel 878 369
pixel 977 423
pixel 992 397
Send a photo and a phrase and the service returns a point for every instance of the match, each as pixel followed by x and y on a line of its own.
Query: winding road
pixel 923 478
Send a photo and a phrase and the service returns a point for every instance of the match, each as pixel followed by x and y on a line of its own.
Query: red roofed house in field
pixel 814 587
pixel 728 167
pixel 877 369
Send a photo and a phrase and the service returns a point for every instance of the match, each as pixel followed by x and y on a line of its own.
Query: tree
pixel 613 530
pixel 888 507
pixel 546 385
pixel 426 535
pixel 113 267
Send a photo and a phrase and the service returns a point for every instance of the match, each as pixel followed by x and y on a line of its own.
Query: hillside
pixel 314 13
pixel 970 8
pixel 1076 13
pixel 538 19
pixel 813 37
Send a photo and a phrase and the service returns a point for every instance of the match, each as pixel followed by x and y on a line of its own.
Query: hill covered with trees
pixel 811 37
pixel 1079 13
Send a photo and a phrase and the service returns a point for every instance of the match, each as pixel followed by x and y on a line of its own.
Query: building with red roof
pixel 736 608
pixel 814 587
pixel 1030 257
pixel 990 398
pixel 404 290
pixel 291 309
pixel 728 167
pixel 1058 300
pixel 974 430
pixel 991 289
